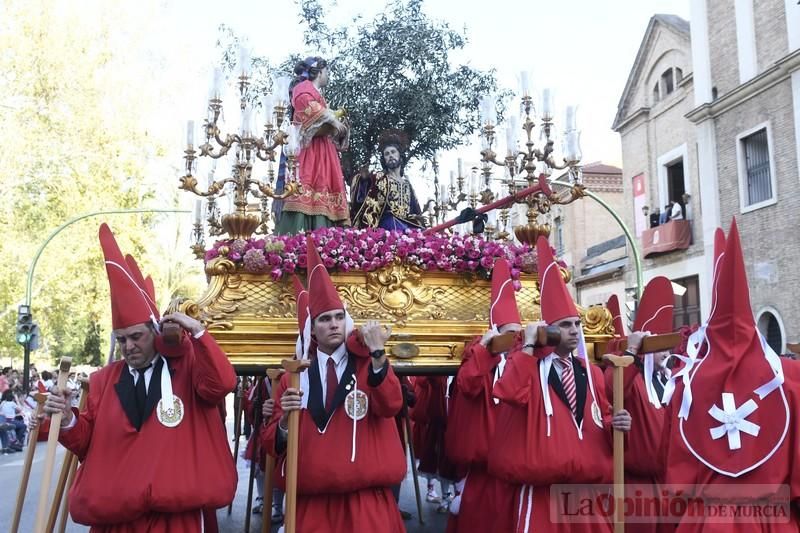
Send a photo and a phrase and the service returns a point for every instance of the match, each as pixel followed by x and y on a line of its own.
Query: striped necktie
pixel 568 382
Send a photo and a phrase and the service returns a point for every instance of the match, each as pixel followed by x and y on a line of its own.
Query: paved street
pixel 11 469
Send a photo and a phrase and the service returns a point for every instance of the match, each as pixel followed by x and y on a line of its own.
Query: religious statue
pixel 386 199
pixel 323 202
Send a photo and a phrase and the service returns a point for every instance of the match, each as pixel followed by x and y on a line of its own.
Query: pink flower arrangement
pixel 346 249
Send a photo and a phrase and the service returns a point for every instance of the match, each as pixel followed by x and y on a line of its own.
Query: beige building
pixel 589 240
pixel 746 113
pixel 713 111
pixel 659 155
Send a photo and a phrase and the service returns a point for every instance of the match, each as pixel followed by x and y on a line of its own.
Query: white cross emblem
pixel 733 420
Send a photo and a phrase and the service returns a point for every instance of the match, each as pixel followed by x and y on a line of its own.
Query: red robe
pixel 471 428
pixel 157 477
pixel 430 419
pixel 522 453
pixel 643 476
pixel 687 474
pixel 336 494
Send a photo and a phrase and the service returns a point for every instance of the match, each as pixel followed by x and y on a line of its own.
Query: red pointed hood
pixel 616 315
pixel 144 283
pixel 503 308
pixel 322 295
pixel 301 295
pixel 719 245
pixel 732 319
pixel 556 301
pixel 129 305
pixel 736 369
pixel 655 309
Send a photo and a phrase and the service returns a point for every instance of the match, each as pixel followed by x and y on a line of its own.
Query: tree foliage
pixel 393 72
pixel 75 109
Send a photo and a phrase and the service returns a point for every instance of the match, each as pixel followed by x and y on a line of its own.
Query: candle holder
pixel 247 149
pixel 521 165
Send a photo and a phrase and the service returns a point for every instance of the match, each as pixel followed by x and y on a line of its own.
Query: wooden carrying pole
pixel 619 363
pixel 50 455
pixel 64 480
pixel 274 376
pixel 294 367
pixel 410 444
pixel 26 469
pixel 656 343
pixel 258 402
pixel 237 425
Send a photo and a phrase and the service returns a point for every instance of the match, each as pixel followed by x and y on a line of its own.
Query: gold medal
pixel 356 404
pixel 170 416
pixel 597 415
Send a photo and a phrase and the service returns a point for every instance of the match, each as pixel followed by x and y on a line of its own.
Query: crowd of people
pixel 17 407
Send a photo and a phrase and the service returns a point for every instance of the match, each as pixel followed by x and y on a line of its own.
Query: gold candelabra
pixel 246 149
pixel 521 166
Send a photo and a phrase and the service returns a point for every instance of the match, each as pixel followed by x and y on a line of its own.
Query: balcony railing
pixel 667 237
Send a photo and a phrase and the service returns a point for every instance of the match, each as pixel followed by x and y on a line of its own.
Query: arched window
pixel 668 82
pixel 770 327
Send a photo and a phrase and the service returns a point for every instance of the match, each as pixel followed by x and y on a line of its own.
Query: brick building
pixel 721 97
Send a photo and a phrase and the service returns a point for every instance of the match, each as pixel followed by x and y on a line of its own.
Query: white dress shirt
pixel 339 357
pixel 148 374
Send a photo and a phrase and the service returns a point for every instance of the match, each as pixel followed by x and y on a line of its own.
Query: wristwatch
pixel 377 354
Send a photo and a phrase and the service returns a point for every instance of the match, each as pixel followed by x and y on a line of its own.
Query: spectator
pixel 665 214
pixel 677 211
pixel 11 419
pixel 655 218
pixel 4 385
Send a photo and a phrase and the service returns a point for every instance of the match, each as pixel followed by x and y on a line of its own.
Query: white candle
pixel 281 90
pixel 524 82
pixel 293 140
pixel 572 151
pixel 198 210
pixel 446 194
pixel 474 182
pixel 453 176
pixel 245 129
pixel 493 218
pixel 268 107
pixel 244 60
pixel 216 84
pixel 570 124
pixel 460 167
pixel 547 105
pixel 487 108
pixel 190 133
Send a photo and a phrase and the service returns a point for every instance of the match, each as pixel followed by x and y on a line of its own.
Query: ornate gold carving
pixel 597 320
pixel 253 317
pixel 393 293
pixel 184 305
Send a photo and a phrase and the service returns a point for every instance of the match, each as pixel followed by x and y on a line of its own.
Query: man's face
pixel 328 329
pixel 511 326
pixel 136 344
pixel 391 157
pixel 570 330
pixel 660 359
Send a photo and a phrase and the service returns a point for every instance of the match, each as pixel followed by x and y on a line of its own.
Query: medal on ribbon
pixel 170 416
pixel 356 404
pixel 597 415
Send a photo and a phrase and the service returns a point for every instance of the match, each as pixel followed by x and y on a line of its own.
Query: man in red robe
pixel 730 434
pixel 349 454
pixel 643 389
pixel 472 424
pixel 430 421
pixel 143 467
pixel 554 422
